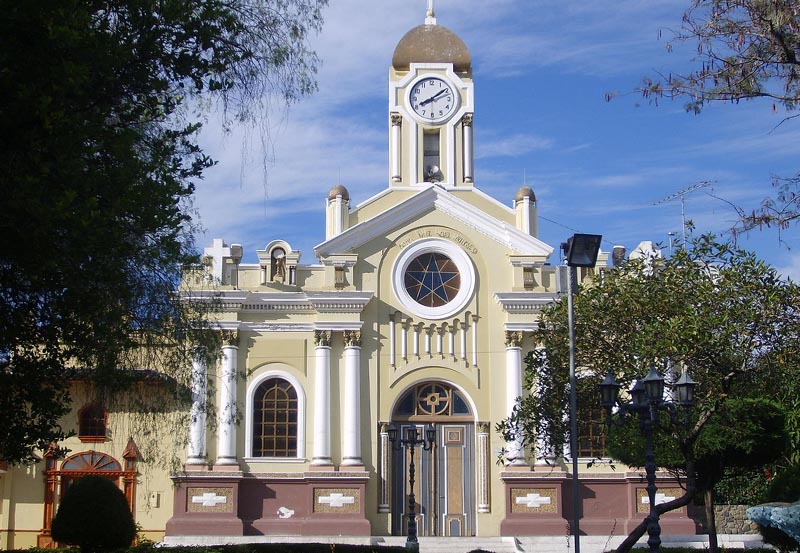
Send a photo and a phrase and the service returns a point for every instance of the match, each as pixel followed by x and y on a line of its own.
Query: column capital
pixel 483 427
pixel 352 338
pixel 513 339
pixel 322 338
pixel 230 338
pixel 396 119
pixel 467 119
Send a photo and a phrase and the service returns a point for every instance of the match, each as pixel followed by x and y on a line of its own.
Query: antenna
pixel 682 195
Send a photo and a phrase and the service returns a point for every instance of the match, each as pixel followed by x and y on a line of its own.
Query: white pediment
pixel 434 198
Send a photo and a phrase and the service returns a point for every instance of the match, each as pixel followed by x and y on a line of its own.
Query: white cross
pixel 660 498
pixel 430 14
pixel 209 499
pixel 337 499
pixel 218 251
pixel 533 500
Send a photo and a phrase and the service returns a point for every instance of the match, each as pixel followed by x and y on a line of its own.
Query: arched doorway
pixel 445 481
pixel 58 480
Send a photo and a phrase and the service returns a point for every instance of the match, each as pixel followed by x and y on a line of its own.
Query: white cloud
pixel 790 266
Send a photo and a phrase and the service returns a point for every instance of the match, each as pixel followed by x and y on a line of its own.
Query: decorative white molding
pixel 466 270
pixel 286 302
pixel 209 499
pixel 533 500
pixel 337 499
pixel 442 200
pixel 660 498
pixel 524 302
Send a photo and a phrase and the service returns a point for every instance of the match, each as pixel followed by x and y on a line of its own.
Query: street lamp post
pixel 580 251
pixel 647 398
pixel 411 440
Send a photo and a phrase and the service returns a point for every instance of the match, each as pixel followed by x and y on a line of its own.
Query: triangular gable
pixel 434 198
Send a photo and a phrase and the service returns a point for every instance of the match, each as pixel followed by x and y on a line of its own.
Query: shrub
pixel 95 516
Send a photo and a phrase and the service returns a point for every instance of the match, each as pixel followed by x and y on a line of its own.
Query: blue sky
pixel 541 69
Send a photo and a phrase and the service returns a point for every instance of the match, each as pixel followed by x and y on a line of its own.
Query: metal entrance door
pixel 444 487
pixel 444 483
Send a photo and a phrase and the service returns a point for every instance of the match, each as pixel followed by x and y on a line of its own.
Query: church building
pixel 416 316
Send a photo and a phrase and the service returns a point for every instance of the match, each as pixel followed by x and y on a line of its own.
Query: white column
pixel 468 150
pixel 404 340
pixel 391 340
pixel 475 340
pixel 427 332
pixel 397 121
pixel 439 335
pixel 516 454
pixel 351 413
pixel 385 450
pixel 451 341
pixel 197 428
pixel 483 467
pixel 322 399
pixel 226 438
pixel 415 345
pixel 463 340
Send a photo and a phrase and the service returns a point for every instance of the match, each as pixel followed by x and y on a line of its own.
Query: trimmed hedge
pixel 95 516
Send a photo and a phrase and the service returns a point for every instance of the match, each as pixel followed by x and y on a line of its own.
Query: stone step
pixel 500 544
pixel 455 544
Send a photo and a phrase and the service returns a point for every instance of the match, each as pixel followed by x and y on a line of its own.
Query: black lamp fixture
pixel 411 440
pixel 647 398
pixel 582 250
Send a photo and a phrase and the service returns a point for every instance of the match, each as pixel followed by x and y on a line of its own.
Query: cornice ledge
pixel 524 302
pixel 339 302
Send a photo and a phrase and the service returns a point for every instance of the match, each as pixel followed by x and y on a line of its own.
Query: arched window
pixel 275 413
pixel 92 420
pixel 432 400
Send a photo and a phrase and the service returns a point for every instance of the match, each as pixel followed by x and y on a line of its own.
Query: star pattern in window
pixel 432 279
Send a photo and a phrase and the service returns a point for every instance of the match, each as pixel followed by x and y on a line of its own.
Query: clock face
pixel 433 99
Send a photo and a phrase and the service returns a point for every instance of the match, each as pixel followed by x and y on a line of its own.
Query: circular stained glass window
pixel 432 279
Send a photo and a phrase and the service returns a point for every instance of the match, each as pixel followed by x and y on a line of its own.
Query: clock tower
pixel 431 108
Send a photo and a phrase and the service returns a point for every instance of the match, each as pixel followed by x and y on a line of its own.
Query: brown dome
pixel 525 192
pixel 339 190
pixel 431 44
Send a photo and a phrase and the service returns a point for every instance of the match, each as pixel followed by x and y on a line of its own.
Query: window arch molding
pixel 301 415
pixel 402 394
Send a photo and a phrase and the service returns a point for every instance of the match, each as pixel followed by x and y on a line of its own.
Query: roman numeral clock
pixel 431 118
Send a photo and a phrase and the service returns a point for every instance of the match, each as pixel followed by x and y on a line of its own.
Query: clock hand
pixel 432 98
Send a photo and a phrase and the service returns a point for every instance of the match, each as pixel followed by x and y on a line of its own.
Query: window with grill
pixel 92 420
pixel 591 433
pixel 275 415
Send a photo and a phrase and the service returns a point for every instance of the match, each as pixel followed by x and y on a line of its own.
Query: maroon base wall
pixel 540 504
pixel 207 503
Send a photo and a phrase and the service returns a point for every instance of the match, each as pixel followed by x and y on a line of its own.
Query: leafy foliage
pixel 743 486
pixel 713 309
pixel 749 49
pixel 746 49
pixel 95 516
pixel 100 160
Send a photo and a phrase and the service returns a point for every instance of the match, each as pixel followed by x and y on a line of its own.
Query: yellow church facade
pixel 417 314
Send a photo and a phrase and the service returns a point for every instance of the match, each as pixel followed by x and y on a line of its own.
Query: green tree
pixel 746 49
pixel 713 309
pixel 99 110
pixel 95 516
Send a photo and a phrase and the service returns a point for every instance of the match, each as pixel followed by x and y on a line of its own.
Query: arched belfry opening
pixel 445 476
